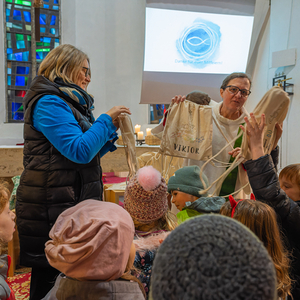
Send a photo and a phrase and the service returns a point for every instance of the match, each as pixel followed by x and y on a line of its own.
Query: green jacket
pixel 203 205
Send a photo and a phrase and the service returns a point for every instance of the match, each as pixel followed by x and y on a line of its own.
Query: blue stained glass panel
pixel 53 20
pixel 55 1
pixel 46 0
pixel 56 40
pixel 8 80
pixel 18 116
pixel 15 106
pixel 46 6
pixel 9 50
pixel 39 55
pixel 43 29
pixel 11 57
pixel 21 70
pixel 27 16
pixel 18 56
pixel 42 19
pixel 55 7
pixel 17 15
pixel 20 81
pixel 7 12
pixel 20 44
pixel 25 55
pixel 17 26
pixel 52 30
pixel 8 70
pixel 47 40
pixel 7 18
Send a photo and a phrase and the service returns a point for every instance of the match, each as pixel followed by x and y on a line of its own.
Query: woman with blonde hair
pixel 62 149
pixel 261 219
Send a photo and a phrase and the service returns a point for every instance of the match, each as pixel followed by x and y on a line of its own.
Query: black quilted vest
pixel 50 183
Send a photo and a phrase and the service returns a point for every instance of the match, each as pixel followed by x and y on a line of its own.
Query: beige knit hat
pixel 145 196
pixel 91 241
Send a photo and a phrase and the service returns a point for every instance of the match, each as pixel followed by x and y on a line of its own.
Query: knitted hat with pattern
pixel 213 257
pixel 187 180
pixel 145 195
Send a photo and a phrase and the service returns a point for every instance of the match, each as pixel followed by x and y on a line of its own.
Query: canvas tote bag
pixel 129 143
pixel 188 131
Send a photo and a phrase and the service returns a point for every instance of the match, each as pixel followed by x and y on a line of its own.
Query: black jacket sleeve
pixel 266 188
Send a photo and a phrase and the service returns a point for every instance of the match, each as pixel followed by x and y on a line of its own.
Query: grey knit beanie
pixel 212 257
pixel 187 180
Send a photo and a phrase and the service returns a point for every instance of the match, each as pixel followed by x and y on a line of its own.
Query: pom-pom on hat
pixel 91 241
pixel 213 257
pixel 145 195
pixel 187 180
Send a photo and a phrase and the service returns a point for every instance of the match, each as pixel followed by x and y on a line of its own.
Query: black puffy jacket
pixel 266 188
pixel 50 183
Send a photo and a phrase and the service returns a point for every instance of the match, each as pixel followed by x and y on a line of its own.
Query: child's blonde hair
pixel 261 219
pixel 291 173
pixel 167 222
pixel 4 195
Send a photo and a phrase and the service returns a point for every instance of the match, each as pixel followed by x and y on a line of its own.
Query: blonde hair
pixel 291 173
pixel 64 61
pixel 167 222
pixel 260 218
pixel 4 195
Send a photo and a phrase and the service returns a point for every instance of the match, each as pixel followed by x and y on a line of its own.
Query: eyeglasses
pixel 234 90
pixel 87 71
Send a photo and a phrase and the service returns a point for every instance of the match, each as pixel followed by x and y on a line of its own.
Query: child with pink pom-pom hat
pixel 146 201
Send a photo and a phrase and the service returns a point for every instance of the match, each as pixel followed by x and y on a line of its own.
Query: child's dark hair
pixel 261 219
pixel 291 173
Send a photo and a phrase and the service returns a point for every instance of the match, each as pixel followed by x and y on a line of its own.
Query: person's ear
pixel 221 93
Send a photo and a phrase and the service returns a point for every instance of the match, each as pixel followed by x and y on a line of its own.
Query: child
pixel 213 257
pixel 92 245
pixel 261 219
pixel 7 228
pixel 184 187
pixel 266 188
pixel 145 199
pixel 289 179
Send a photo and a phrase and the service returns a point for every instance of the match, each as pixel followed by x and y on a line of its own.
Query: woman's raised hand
pixel 177 99
pixel 116 110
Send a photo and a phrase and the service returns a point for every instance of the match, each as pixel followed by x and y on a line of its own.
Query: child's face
pixel 7 224
pixel 180 198
pixel 292 189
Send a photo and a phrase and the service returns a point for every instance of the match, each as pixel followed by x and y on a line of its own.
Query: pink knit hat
pixel 145 196
pixel 91 241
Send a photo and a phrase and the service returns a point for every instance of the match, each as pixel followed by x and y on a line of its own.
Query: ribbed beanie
pixel 145 195
pixel 213 257
pixel 187 180
pixel 91 241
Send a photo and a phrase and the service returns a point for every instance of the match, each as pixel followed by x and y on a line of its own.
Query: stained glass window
pixel 17 20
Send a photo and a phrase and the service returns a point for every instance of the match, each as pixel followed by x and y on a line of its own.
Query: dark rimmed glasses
pixel 234 90
pixel 87 71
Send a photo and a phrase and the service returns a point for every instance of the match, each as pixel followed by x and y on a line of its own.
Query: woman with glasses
pixel 229 114
pixel 62 149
